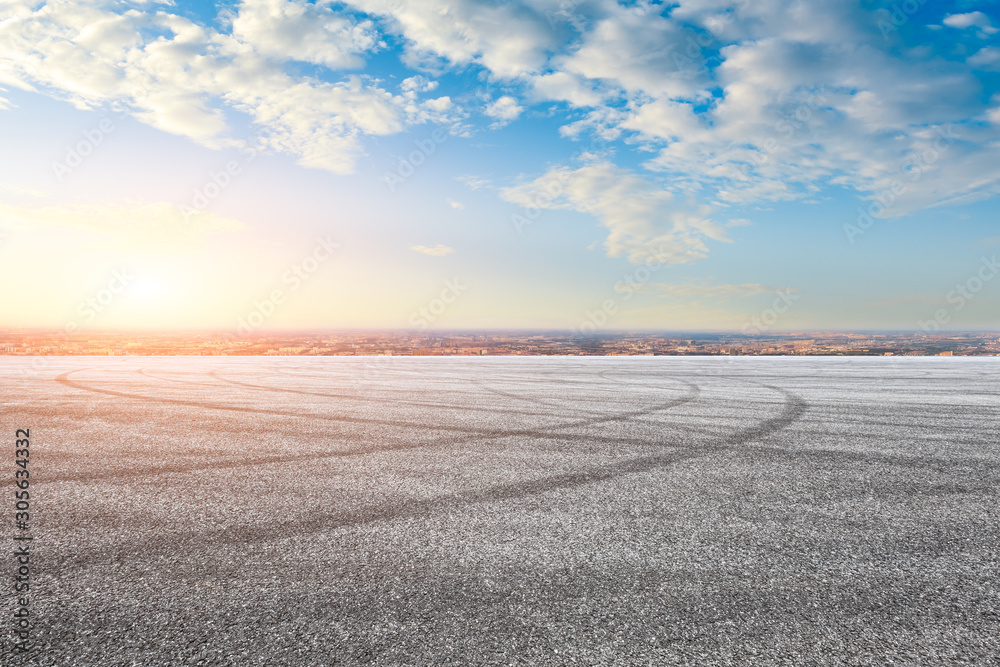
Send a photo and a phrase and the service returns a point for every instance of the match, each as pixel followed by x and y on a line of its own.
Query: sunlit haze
pixel 551 164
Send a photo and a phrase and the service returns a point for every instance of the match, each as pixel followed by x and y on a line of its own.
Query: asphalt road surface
pixel 633 511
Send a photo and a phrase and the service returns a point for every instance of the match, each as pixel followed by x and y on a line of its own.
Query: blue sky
pixel 566 164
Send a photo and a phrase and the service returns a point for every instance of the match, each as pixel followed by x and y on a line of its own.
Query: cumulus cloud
pixel 733 102
pixel 643 219
pixel 796 97
pixel 639 50
pixel 509 39
pixel 970 20
pixel 504 109
pixel 417 84
pixel 438 250
pixel 189 80
pixel 566 87
pixel 987 58
pixel 299 30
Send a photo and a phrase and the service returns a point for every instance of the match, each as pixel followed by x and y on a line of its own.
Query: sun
pixel 150 289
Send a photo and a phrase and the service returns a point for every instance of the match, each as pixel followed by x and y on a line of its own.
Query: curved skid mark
pixel 142 371
pixel 793 409
pixel 223 381
pixel 518 397
pixel 418 509
pixel 439 378
pixel 693 392
pixel 389 401
pixel 472 435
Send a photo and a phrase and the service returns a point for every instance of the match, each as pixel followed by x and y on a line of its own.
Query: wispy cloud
pixel 474 182
pixel 439 250
pixel 708 290
pixel 131 219
pixel 910 299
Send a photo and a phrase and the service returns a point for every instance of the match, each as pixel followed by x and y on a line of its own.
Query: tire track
pixel 224 381
pixel 385 401
pixel 470 434
pixel 792 410
pixel 693 392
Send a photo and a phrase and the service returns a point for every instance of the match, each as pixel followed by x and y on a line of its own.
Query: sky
pixel 709 165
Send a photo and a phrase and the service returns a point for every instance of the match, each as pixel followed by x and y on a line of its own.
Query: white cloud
pixel 796 117
pixel 970 20
pixel 299 30
pixel 509 39
pixel 809 97
pixel 642 218
pixel 664 120
pixel 456 204
pixel 418 84
pixel 504 109
pixel 186 79
pixel 735 102
pixel 438 250
pixel 638 50
pixel 993 115
pixel 562 86
pixel 987 58
pixel 474 182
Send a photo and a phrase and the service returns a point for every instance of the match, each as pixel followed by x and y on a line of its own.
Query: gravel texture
pixel 633 511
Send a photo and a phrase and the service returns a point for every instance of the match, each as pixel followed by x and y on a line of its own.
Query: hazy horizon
pixel 542 164
pixel 534 164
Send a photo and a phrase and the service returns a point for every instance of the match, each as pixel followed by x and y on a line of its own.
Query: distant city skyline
pixel 495 343
pixel 552 165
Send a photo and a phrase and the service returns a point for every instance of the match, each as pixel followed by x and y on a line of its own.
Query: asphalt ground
pixel 633 511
